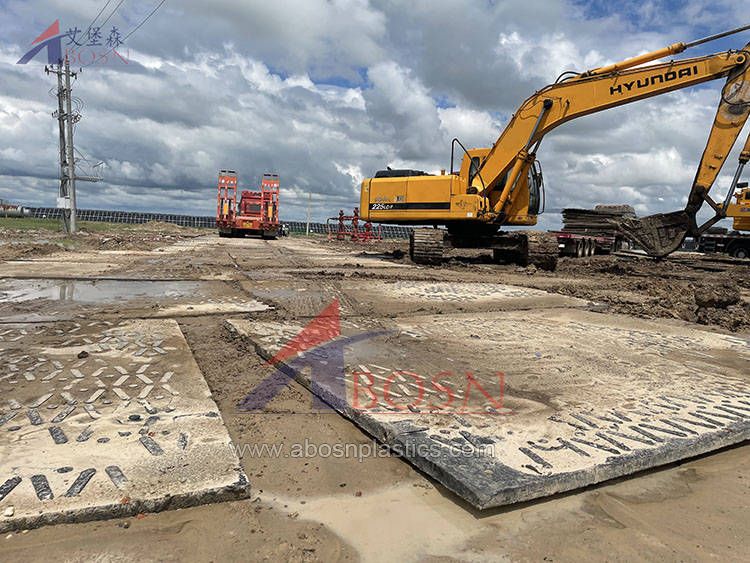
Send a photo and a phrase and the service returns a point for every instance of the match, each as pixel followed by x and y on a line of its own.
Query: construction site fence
pixel 386 231
pixel 196 221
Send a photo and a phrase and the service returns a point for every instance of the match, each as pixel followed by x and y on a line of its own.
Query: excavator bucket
pixel 659 234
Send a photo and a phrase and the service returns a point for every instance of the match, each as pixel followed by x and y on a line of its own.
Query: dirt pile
pixel 15 245
pixel 700 289
pixel 136 241
pixel 721 304
pixel 720 295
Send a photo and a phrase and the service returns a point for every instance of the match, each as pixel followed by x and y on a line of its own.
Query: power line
pixel 97 16
pixel 90 26
pixel 132 31
pixel 136 28
pixel 112 13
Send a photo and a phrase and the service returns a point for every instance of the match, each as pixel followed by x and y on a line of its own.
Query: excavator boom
pixel 592 92
pixel 616 85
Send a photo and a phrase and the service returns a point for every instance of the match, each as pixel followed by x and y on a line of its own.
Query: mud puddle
pixel 390 524
pixel 92 292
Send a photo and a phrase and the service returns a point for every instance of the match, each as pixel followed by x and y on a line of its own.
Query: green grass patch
pixel 28 224
pixel 34 224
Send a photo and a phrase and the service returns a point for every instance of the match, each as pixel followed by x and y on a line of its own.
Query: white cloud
pixel 472 127
pixel 327 92
pixel 548 56
pixel 399 105
pixel 329 36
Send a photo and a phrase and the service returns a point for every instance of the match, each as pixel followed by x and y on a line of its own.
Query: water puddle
pixel 98 291
pixel 400 523
pixel 282 293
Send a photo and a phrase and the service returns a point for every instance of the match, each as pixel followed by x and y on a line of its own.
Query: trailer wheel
pixel 580 250
pixel 741 252
pixel 590 247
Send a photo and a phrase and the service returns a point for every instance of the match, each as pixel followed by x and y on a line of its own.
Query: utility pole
pixel 309 204
pixel 62 195
pixel 69 148
pixel 66 118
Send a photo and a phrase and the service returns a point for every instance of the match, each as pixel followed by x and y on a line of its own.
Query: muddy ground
pixel 712 290
pixel 380 508
pixel 45 238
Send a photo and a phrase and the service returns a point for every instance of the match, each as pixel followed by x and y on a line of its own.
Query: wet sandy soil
pixel 380 508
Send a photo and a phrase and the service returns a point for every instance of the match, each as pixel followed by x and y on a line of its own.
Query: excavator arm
pixel 509 159
pixel 663 233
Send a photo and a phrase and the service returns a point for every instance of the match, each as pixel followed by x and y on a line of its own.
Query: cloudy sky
pixel 326 92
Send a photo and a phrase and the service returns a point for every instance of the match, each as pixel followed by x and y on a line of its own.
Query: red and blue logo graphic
pixel 50 39
pixel 318 350
pixel 325 360
pixel 82 46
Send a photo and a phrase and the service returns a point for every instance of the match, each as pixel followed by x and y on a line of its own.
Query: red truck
pixel 256 213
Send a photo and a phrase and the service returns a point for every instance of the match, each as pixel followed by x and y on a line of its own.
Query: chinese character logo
pixel 82 47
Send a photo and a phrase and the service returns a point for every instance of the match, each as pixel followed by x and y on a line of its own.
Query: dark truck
pixel 725 241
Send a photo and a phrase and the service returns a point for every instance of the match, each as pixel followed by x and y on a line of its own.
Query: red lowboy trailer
pixel 583 245
pixel 256 213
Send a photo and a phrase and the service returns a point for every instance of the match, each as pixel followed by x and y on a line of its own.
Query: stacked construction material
pixel 597 221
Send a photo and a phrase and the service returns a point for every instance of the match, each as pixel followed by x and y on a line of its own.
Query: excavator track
pixel 426 246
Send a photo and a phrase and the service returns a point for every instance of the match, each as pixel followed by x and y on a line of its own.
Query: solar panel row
pixel 197 221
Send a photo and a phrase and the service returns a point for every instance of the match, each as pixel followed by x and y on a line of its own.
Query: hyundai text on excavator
pixel 503 186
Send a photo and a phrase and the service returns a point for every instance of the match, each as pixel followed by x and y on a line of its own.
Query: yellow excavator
pixel 736 242
pixel 503 186
pixel 739 211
